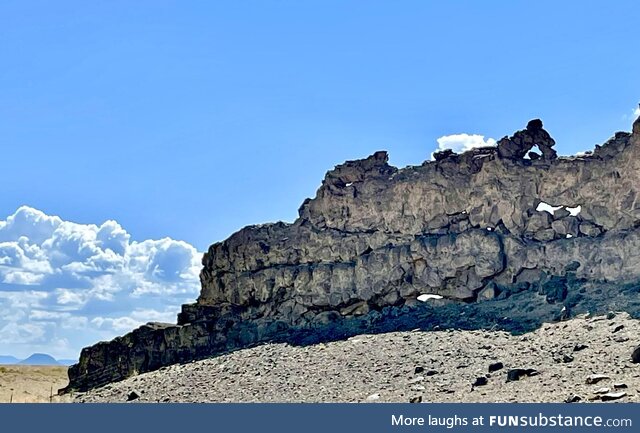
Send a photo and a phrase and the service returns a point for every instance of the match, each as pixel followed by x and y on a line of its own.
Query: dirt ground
pixel 31 384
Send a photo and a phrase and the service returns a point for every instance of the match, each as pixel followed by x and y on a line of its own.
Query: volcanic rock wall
pixel 466 227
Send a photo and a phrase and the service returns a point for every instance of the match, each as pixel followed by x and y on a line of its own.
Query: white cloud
pixel 632 115
pixel 14 333
pixel 462 142
pixel 121 324
pixel 134 319
pixel 65 285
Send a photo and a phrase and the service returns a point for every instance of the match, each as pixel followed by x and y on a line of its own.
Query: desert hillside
pixel 583 359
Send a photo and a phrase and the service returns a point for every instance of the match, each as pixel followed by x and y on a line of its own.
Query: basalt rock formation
pixel 468 228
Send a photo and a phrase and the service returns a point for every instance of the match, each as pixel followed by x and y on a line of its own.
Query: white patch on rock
pixel 574 211
pixel 427 296
pixel 546 207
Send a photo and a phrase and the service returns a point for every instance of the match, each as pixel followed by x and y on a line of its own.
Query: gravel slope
pixel 432 366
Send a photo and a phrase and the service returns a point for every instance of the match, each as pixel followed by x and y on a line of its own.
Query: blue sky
pixel 189 120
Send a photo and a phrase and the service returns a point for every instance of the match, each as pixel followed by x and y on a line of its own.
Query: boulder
pixel 613 396
pixel 488 292
pixel 516 374
pixel 573 398
pixel 595 378
pixel 589 229
pixel 480 381
pixel 495 366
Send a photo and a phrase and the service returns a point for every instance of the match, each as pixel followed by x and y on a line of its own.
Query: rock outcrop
pixel 467 227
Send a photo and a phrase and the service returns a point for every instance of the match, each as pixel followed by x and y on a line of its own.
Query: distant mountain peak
pixel 40 359
pixel 8 359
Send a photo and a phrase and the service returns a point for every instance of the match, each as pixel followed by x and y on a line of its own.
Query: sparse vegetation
pixel 31 384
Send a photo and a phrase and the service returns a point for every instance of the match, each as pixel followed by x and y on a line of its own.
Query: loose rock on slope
pixel 381 368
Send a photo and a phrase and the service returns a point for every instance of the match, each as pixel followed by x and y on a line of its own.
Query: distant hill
pixel 36 359
pixel 39 359
pixel 4 360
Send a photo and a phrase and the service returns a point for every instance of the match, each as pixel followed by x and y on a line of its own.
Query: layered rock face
pixel 469 228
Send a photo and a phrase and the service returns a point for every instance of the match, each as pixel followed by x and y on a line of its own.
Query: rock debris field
pixel 584 359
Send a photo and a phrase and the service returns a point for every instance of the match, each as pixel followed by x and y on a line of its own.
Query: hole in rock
pixel 427 296
pixel 546 207
pixel 574 211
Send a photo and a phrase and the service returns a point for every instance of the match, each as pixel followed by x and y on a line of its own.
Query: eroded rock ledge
pixel 470 228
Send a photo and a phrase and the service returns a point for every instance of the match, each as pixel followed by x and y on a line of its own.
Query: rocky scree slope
pixel 468 228
pixel 583 359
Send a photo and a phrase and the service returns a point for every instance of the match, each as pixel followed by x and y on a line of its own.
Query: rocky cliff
pixel 469 229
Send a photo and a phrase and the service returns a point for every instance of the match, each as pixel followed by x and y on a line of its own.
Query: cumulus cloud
pixel 65 285
pixel 462 142
pixel 636 112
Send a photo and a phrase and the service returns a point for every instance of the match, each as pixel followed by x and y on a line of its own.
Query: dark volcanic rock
pixel 613 396
pixel 481 381
pixel 573 398
pixel 460 229
pixel 495 366
pixel 517 146
pixel 617 328
pixel 534 125
pixel 518 373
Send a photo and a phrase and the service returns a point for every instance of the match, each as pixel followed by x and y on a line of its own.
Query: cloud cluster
pixel 65 285
pixel 462 142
